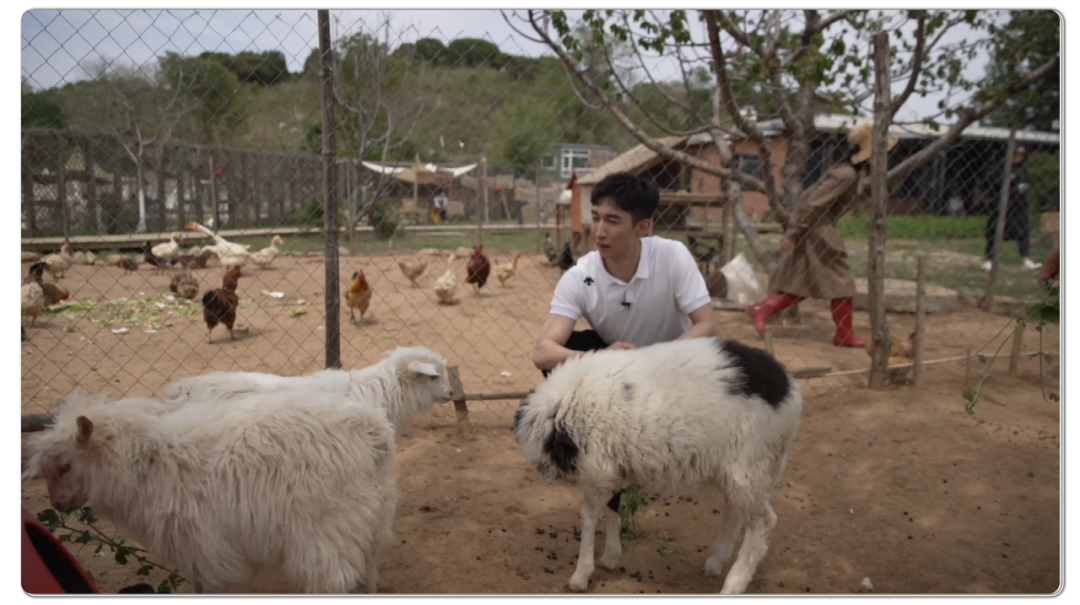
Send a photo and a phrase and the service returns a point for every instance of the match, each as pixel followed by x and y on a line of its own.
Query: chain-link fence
pixel 164 146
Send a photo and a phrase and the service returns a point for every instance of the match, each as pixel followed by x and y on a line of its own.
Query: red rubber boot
pixel 842 312
pixel 773 304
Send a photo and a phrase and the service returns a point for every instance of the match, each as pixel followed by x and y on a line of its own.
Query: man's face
pixel 1021 153
pixel 615 230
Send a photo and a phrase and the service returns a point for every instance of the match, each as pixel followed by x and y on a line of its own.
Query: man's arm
pixel 567 306
pixel 549 351
pixel 704 324
pixel 692 296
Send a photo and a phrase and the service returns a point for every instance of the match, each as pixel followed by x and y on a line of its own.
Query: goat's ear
pixel 60 404
pixel 427 369
pixel 86 430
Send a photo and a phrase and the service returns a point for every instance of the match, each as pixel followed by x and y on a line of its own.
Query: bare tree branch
pixel 916 67
pixel 651 143
pixel 727 97
pixel 828 22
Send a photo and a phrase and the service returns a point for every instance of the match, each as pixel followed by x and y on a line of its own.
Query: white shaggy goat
pixel 675 416
pixel 406 381
pixel 298 480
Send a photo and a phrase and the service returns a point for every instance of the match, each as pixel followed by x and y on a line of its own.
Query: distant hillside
pixel 507 108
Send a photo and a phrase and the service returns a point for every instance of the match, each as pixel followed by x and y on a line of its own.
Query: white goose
pixel 222 248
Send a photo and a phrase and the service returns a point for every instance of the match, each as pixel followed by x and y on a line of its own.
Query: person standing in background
pixel 441 202
pixel 1017 222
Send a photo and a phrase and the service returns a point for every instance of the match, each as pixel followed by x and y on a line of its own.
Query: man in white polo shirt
pixel 633 290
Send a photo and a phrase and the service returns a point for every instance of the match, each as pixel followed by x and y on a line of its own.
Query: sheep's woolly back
pixel 295 478
pixel 672 415
pixel 388 384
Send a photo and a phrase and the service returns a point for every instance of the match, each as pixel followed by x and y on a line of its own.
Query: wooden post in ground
pixel 920 314
pixel 879 369
pixel 999 232
pixel 460 407
pixel 481 213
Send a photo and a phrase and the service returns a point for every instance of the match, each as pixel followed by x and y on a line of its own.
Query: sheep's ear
pixel 32 470
pixel 86 430
pixel 427 369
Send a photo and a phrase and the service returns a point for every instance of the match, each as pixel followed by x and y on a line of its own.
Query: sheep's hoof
pixel 579 582
pixel 714 568
pixel 607 564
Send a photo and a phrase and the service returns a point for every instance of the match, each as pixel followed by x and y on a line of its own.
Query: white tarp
pixel 454 172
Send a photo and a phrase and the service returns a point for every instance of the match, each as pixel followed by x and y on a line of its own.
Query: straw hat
pixel 862 136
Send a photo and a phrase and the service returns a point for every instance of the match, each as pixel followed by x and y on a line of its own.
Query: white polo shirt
pixel 654 307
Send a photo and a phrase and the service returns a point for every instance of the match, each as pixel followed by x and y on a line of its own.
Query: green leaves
pixel 57 520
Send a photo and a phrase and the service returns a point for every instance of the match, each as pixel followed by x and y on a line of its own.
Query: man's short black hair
pixel 638 197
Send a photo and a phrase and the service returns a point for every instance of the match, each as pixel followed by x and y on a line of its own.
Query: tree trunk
pixel 140 190
pixel 879 167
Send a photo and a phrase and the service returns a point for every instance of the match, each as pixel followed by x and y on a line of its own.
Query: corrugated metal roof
pixel 833 123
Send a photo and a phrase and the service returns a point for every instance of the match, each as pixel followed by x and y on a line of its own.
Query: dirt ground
pixel 900 486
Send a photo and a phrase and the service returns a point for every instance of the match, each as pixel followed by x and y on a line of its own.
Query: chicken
pixel 192 261
pixel 30 257
pixel 900 352
pixel 549 250
pixel 128 264
pixel 35 273
pixel 265 257
pixel 170 249
pixel 37 295
pixel 566 259
pixel 184 286
pixel 463 252
pixel 446 286
pixel 412 271
pixel 33 301
pixel 220 305
pixel 58 264
pixel 504 272
pixel 478 269
pixel 358 296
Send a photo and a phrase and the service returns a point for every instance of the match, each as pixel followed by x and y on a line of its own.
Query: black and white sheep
pixel 675 416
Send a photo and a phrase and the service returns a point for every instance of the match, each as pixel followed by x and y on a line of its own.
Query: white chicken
pixel 170 249
pixel 57 264
pixel 265 257
pixel 447 285
pixel 33 301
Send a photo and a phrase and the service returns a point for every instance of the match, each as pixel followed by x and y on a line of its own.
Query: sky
pixel 55 43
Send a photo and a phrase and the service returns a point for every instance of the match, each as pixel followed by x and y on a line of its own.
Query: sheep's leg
pixel 754 546
pixel 591 508
pixel 730 525
pixel 612 543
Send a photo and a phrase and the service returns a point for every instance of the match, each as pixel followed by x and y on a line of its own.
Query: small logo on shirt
pixel 589 281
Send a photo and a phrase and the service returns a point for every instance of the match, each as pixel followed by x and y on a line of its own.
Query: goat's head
pixel 424 373
pixel 63 454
